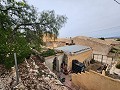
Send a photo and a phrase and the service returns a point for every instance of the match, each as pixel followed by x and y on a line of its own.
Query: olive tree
pixel 22 27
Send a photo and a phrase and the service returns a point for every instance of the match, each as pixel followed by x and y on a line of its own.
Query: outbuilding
pixel 75 52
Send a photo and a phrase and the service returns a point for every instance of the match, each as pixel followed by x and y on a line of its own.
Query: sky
pixel 94 18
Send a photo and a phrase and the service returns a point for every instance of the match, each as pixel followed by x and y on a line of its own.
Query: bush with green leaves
pixel 113 50
pixel 118 66
pixel 18 46
pixel 47 53
pixel 102 38
pixel 118 39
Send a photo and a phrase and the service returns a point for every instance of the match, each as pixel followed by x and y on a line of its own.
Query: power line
pixel 117 2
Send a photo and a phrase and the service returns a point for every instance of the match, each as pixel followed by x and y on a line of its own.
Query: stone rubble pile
pixel 6 78
pixel 33 75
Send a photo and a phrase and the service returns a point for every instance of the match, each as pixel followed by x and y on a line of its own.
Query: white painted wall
pixel 49 61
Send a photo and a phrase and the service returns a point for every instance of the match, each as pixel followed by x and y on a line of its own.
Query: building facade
pixel 76 52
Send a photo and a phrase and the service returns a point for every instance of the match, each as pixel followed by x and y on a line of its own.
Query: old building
pixel 75 52
pixel 49 40
pixel 52 42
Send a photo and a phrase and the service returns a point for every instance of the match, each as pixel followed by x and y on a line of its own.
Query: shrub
pixel 47 53
pixel 118 39
pixel 118 65
pixel 113 50
pixel 102 38
pixel 21 48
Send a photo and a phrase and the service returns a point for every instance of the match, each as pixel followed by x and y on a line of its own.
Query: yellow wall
pixel 48 38
pixel 80 57
pixel 51 44
pixel 49 60
pixel 50 41
pixel 94 81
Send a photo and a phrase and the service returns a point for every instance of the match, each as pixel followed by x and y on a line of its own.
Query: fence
pixel 103 59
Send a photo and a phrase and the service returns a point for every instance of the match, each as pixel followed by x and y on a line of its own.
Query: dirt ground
pixel 68 81
pixel 94 66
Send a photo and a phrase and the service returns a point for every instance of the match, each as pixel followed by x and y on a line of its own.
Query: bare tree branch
pixel 18 27
pixel 6 9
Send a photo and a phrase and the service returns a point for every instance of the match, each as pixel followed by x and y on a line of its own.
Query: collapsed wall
pixel 32 75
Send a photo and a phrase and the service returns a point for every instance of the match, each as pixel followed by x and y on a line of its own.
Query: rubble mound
pixel 33 75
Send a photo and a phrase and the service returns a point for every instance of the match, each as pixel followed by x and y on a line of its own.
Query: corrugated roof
pixel 73 49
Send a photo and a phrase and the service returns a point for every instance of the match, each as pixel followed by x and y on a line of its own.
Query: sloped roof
pixel 73 49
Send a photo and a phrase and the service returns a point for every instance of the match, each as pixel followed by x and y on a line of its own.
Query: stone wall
pixel 103 58
pixel 94 81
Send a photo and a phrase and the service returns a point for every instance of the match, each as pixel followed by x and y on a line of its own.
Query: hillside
pixel 99 46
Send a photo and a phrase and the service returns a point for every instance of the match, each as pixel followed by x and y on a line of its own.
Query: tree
pixel 22 27
pixel 102 38
pixel 51 23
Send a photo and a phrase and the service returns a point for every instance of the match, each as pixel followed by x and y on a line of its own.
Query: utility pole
pixel 16 68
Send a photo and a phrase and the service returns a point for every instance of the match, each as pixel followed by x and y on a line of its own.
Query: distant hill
pixel 99 46
pixel 116 37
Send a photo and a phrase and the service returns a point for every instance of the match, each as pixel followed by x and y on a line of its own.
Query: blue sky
pixel 95 18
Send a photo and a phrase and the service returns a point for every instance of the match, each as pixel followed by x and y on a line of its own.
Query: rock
pixel 33 76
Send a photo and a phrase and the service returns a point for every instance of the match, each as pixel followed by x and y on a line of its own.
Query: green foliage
pixel 118 39
pixel 115 50
pixel 47 53
pixel 118 65
pixel 52 22
pixel 21 27
pixel 19 46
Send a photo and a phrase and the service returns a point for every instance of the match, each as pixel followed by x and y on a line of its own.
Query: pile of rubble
pixel 33 75
pixel 5 78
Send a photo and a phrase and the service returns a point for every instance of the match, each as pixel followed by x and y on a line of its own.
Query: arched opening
pixel 55 63
pixel 65 59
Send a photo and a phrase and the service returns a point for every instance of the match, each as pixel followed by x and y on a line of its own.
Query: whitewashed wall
pixel 49 61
